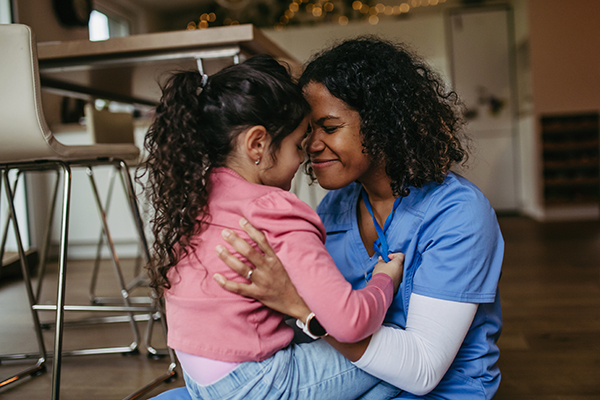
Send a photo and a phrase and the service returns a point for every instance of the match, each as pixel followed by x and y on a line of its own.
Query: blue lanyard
pixel 380 245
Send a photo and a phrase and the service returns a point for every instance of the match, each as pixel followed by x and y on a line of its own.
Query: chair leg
pixel 139 278
pixel 96 269
pixel 40 365
pixel 62 275
pixel 129 188
pixel 7 221
pixel 170 374
pixel 115 257
pixel 47 235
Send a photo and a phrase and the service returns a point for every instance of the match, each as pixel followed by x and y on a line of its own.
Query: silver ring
pixel 249 275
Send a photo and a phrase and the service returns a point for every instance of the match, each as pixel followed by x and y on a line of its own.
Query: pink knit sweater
pixel 206 320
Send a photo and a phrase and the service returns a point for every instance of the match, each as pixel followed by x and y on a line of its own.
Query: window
pixel 103 26
pixel 5 14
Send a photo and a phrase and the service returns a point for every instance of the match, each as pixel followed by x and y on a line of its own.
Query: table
pixel 129 69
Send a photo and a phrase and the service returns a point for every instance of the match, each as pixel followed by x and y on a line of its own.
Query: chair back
pixel 24 134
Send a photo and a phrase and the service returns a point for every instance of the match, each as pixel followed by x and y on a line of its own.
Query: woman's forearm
pixel 352 351
pixel 415 359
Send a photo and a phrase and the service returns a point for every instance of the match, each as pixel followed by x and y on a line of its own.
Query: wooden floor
pixel 550 290
pixel 550 346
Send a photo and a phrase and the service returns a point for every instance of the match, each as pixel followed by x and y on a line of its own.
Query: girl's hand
pixel 394 268
pixel 271 284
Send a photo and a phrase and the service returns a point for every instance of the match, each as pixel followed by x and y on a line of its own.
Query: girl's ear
pixel 255 143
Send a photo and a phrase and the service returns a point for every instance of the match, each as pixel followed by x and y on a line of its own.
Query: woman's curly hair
pixel 196 124
pixel 408 118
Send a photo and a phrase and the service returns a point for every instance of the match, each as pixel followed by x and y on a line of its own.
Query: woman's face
pixel 335 144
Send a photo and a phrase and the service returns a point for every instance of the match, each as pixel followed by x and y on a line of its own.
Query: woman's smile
pixel 322 163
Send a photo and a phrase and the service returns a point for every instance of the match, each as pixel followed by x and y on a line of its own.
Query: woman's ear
pixel 255 143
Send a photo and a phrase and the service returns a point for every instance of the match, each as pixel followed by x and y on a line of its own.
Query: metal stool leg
pixel 93 298
pixel 139 279
pixel 133 205
pixel 7 221
pixel 47 235
pixel 115 257
pixel 170 374
pixel 60 291
pixel 40 365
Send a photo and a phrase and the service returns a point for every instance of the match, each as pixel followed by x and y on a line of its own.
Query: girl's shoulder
pixel 281 210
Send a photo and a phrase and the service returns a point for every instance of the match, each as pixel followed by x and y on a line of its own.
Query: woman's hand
pixel 394 268
pixel 271 284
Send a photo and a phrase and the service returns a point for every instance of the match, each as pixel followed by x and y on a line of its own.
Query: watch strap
pixel 311 327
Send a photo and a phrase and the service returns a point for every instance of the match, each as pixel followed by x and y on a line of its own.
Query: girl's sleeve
pixel 297 235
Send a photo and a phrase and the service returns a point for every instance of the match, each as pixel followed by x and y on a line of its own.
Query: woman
pixel 384 136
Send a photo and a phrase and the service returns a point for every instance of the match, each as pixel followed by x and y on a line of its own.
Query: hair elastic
pixel 202 84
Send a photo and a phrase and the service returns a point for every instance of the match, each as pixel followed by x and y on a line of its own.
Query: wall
pixel 528 163
pixel 40 16
pixel 565 60
pixel 565 71
pixel 424 34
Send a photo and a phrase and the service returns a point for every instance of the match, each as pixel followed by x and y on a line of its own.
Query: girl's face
pixel 289 157
pixel 335 144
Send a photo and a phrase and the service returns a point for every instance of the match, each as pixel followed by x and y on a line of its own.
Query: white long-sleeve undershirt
pixel 415 359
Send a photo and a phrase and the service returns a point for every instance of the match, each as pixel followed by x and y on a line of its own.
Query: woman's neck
pixel 380 194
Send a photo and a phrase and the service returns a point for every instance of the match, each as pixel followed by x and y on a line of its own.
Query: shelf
pixel 572 145
pixel 580 163
pixel 571 159
pixel 572 182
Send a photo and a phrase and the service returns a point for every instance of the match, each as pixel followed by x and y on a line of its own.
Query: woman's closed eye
pixel 330 128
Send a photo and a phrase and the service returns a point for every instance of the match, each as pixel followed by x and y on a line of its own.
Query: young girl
pixel 228 146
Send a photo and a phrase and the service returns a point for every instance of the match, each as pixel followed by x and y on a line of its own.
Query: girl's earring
pixel 257 162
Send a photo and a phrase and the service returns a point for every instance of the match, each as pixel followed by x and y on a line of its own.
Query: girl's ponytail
pixel 177 172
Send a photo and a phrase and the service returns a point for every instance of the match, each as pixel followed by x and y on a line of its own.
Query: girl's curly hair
pixel 408 118
pixel 194 130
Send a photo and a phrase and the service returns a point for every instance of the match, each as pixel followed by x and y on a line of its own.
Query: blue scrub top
pixel 453 251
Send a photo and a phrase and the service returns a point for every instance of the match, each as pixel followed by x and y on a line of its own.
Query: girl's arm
pixel 271 285
pixel 347 315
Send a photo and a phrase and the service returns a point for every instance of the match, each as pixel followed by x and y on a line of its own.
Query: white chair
pixel 27 145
